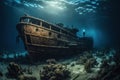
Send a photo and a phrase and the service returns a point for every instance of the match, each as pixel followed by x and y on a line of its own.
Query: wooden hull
pixel 40 52
pixel 40 41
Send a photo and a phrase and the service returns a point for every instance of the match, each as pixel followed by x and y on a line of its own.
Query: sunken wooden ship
pixel 43 38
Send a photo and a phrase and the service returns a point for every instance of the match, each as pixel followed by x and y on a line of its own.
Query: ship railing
pixel 40 22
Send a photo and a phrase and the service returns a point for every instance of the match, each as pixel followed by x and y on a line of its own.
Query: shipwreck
pixel 43 38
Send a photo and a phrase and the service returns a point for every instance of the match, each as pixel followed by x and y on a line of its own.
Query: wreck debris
pixel 54 71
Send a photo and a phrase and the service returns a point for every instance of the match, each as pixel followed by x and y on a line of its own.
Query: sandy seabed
pixel 75 65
